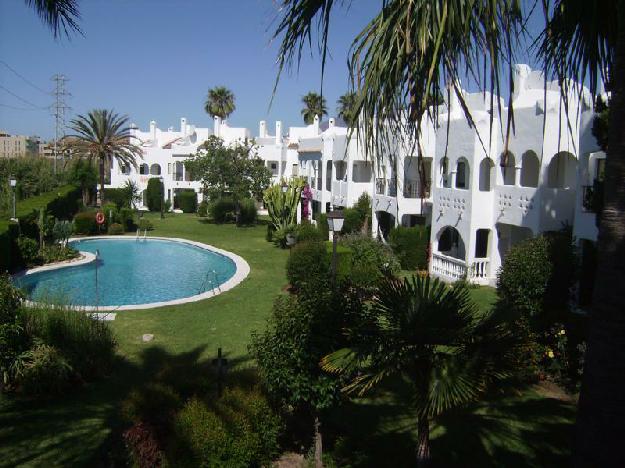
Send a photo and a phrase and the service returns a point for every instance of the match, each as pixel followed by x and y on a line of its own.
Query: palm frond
pixel 60 15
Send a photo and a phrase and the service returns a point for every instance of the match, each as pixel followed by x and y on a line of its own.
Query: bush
pixel 29 250
pixel 118 197
pixel 353 221
pixel 154 194
pixel 84 223
pixel 116 229
pixel 153 403
pixel 111 214
pixel 145 225
pixel 143 445
pixel 248 213
pixel 42 370
pixel 240 431
pixel 202 209
pixel 370 260
pixel 222 210
pixel 57 253
pixel 186 200
pixel 126 217
pixel 13 340
pixel 87 343
pixel 322 225
pixel 308 263
pixel 306 232
pixel 410 244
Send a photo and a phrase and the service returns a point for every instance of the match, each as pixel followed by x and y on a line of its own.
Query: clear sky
pixel 156 59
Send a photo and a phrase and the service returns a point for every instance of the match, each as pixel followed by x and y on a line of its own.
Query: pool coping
pixel 242 271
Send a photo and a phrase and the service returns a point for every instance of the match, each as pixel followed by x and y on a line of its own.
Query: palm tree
pixel 314 104
pixel 413 53
pixel 104 135
pixel 60 15
pixel 219 102
pixel 347 108
pixel 434 337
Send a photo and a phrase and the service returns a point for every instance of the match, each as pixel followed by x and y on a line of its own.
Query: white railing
pixel 480 270
pixel 449 267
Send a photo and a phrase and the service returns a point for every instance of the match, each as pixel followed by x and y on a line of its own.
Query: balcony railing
pixel 380 186
pixel 448 267
pixel 414 189
pixel 479 271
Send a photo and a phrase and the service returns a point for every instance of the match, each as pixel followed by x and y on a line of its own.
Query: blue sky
pixel 156 59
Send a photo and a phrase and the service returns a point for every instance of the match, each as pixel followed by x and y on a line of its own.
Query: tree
pixel 234 170
pixel 413 52
pixel 83 174
pixel 61 16
pixel 314 104
pixel 154 194
pixel 436 339
pixel 219 102
pixel 347 108
pixel 104 135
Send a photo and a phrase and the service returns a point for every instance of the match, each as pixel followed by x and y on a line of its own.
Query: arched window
pixel 507 164
pixel 144 169
pixel 487 175
pixel 462 174
pixel 562 171
pixel 124 169
pixel 530 168
pixel 450 243
pixel 444 179
pixel 155 169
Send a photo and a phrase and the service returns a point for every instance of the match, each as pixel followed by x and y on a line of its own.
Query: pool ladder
pixel 145 233
pixel 210 282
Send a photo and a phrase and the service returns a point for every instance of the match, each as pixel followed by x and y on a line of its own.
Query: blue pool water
pixel 132 272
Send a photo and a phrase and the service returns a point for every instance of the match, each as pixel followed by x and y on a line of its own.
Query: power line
pixel 20 108
pixel 21 98
pixel 26 80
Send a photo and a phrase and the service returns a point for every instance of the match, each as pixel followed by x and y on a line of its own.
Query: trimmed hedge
pixel 410 244
pixel 154 194
pixel 186 200
pixel 247 212
pixel 221 210
pixel 84 223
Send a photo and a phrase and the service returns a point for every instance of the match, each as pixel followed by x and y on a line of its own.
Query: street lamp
pixel 13 184
pixel 162 195
pixel 335 224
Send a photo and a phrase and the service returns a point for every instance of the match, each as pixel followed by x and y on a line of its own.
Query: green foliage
pixel 126 217
pixel 222 210
pixel 115 229
pixel 35 176
pixel 306 232
pixel 29 250
pixel 369 261
pixel 154 194
pixel 248 213
pixel 235 171
pixel 186 200
pixel 62 230
pixel 116 196
pixel 83 174
pixel 42 370
pixel 347 108
pixel 219 102
pixel 154 403
pixel 282 205
pixel 308 262
pixel 84 223
pixel 57 253
pixel 86 343
pixel 410 244
pixel 357 216
pixel 322 225
pixel 202 209
pixel 600 123
pixel 145 225
pixel 12 337
pixel 314 104
pixel 239 429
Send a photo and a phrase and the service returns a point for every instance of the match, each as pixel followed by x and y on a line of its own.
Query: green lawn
pixel 76 430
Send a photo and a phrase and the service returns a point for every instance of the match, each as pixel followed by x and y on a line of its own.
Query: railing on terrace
pixel 480 269
pixel 449 267
pixel 380 186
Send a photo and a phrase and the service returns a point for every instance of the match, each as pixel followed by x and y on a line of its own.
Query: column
pixel 517 176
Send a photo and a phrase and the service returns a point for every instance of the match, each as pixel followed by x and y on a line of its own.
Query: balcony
pixel 414 189
pixel 380 186
pixel 454 269
pixel 392 188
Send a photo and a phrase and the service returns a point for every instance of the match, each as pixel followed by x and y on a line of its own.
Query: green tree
pixel 347 108
pixel 219 102
pixel 235 170
pixel 84 175
pixel 413 52
pixel 314 104
pixel 154 194
pixel 436 339
pixel 104 135
pixel 59 15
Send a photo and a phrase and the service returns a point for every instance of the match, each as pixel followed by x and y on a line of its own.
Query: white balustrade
pixel 448 267
pixel 480 270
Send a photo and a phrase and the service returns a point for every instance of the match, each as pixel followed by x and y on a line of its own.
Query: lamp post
pixel 335 224
pixel 13 184
pixel 162 195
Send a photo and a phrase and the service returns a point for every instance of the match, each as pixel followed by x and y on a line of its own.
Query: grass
pixel 78 429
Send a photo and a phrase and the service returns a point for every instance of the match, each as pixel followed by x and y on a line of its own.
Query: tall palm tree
pixel 435 338
pixel 219 102
pixel 314 104
pixel 60 15
pixel 413 52
pixel 347 108
pixel 104 135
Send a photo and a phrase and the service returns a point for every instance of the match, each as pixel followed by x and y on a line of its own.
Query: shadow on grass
pixel 83 428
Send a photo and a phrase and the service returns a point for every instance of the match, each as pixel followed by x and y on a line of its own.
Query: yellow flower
pixel 550 354
pixel 562 332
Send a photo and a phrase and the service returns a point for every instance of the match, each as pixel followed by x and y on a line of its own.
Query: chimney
pixel 183 126
pixel 153 129
pixel 521 73
pixel 331 122
pixel 278 132
pixel 316 124
pixel 217 126
pixel 262 129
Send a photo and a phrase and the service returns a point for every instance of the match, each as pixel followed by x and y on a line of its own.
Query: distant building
pixel 15 146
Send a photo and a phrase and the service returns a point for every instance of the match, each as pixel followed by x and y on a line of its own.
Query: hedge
pixel 410 244
pixel 186 200
pixel 154 194
pixel 62 203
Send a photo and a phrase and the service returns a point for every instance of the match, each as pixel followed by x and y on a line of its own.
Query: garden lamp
pixel 13 184
pixel 335 224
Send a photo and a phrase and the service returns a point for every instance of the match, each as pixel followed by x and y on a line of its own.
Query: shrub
pixel 322 225
pixel 116 229
pixel 202 209
pixel 308 263
pixel 154 194
pixel 363 206
pixel 186 200
pixel 118 197
pixel 410 244
pixel 87 343
pixel 57 253
pixel 248 213
pixel 42 370
pixel 84 223
pixel 126 217
pixel 153 403
pixel 143 445
pixel 145 225
pixel 62 230
pixel 306 232
pixel 353 221
pixel 370 260
pixel 29 250
pixel 222 210
pixel 13 340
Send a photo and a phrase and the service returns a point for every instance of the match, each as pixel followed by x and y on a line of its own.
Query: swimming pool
pixel 136 273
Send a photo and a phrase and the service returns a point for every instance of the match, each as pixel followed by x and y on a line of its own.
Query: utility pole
pixel 59 107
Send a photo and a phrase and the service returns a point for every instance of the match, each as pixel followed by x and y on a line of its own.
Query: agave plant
pixel 282 204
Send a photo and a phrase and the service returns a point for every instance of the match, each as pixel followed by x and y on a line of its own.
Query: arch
pixel 507 163
pixel 449 242
pixel 124 169
pixel 562 171
pixel 155 169
pixel 144 169
pixel 386 222
pixel 487 175
pixel 530 168
pixel 463 174
pixel 443 170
